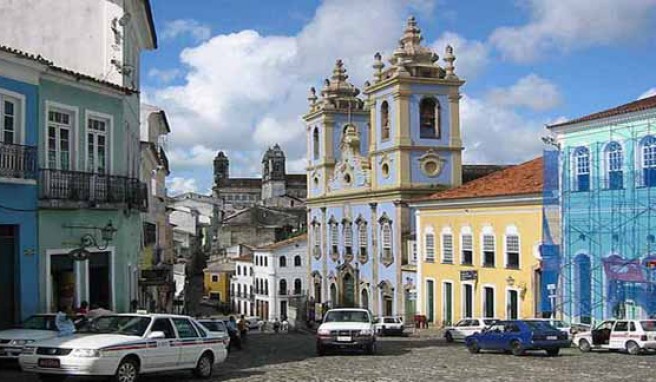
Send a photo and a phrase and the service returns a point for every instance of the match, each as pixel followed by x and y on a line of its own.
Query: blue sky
pixel 233 75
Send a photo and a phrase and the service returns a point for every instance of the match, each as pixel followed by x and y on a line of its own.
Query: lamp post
pixel 88 240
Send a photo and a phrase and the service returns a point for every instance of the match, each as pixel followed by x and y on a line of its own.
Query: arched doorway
pixel 316 280
pixel 348 296
pixel 364 299
pixel 333 295
pixel 386 298
pixel 583 288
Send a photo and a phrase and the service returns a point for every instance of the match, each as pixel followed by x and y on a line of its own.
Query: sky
pixel 234 75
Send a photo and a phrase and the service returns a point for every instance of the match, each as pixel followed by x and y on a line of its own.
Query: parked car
pixel 218 328
pixel 346 329
pixel 634 336
pixel 518 336
pixel 252 322
pixel 558 324
pixel 35 328
pixel 466 327
pixel 389 325
pixel 125 345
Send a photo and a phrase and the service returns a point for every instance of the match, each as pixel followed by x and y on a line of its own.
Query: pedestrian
pixel 63 322
pixel 233 333
pixel 241 325
pixel 276 325
pixel 83 309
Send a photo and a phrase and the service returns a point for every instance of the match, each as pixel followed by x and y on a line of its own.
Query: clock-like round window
pixel 431 168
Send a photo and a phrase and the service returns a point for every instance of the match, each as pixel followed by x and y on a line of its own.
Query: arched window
pixel 348 238
pixel 429 118
pixel 282 261
pixel 384 121
pixel 315 142
pixel 334 238
pixel 266 286
pixel 298 287
pixel 283 287
pixel 297 261
pixel 614 163
pixel 362 238
pixel 317 240
pixel 386 233
pixel 649 161
pixel 582 169
pixel 429 244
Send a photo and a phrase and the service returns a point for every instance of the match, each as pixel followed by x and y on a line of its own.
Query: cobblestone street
pixel 291 358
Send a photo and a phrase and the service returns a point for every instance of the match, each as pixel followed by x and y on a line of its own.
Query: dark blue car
pixel 518 336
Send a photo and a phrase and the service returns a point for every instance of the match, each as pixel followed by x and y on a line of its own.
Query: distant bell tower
pixel 221 169
pixel 273 172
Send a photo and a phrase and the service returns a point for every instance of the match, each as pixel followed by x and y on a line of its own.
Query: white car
pixel 634 336
pixel 218 328
pixel 346 329
pixel 389 325
pixel 467 327
pixel 123 346
pixel 35 328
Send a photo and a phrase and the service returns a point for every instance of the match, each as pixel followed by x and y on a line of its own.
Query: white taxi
pixel 467 327
pixel 123 346
pixel 634 336
pixel 35 328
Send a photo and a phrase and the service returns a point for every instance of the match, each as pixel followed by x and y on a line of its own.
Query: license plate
pixel 51 363
pixel 552 338
pixel 343 339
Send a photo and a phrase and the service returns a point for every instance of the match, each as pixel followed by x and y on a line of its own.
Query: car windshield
pixel 214 326
pixel 39 323
pixel 391 320
pixel 558 324
pixel 539 325
pixel 127 325
pixel 648 326
pixel 347 316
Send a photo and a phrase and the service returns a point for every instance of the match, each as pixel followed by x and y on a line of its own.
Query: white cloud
pixel 199 32
pixel 568 24
pixel 194 157
pixel 179 185
pixel 471 56
pixel 649 93
pixel 532 91
pixel 164 75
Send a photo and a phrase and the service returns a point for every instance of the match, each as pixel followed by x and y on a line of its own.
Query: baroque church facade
pixel 367 156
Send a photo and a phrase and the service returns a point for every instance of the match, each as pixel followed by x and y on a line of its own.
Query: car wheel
pixel 473 347
pixel 516 348
pixel 127 371
pixel 321 351
pixel 632 348
pixel 448 337
pixel 553 352
pixel 204 366
pixel 584 345
pixel 51 378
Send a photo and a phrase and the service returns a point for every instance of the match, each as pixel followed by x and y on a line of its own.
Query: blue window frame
pixel 614 166
pixel 582 169
pixel 649 161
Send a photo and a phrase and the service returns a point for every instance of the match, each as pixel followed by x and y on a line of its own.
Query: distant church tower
pixel 221 169
pixel 273 173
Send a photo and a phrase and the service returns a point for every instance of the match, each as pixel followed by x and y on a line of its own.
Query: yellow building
pixel 217 281
pixel 479 247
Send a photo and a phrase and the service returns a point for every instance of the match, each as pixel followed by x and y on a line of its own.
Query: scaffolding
pixel 605 250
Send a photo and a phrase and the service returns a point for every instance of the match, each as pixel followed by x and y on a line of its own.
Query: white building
pixel 241 286
pixel 280 274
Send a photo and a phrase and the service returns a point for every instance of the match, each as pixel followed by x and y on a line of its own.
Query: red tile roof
pixel 280 244
pixel 246 258
pixel 631 107
pixel 525 178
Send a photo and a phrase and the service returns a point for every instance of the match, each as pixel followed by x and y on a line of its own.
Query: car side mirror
pixel 157 335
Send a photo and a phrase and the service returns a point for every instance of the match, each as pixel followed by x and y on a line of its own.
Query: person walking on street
pixel 241 326
pixel 233 333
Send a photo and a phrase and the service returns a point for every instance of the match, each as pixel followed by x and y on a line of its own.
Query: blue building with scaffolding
pixel 607 170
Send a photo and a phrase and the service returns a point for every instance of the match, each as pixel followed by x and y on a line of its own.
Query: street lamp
pixel 88 240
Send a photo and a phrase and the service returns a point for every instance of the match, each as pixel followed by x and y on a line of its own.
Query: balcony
pixel 60 188
pixel 17 161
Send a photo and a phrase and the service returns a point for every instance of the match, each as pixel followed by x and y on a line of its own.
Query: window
pixel 283 287
pixel 414 253
pixel 430 247
pixel 384 121
pixel 488 302
pixel 467 249
pixel 282 261
pixel 649 161
pixel 468 300
pixel 614 163
pixel 429 118
pixel 9 123
pixel 488 251
pixel 266 286
pixel 582 169
pixel 621 326
pixel 297 261
pixel 59 140
pixel 315 142
pixel 447 248
pixel 348 238
pixel 238 270
pixel 317 240
pixel 386 232
pixel 362 238
pixel 334 238
pixel 185 328
pixel 163 325
pixel 97 145
pixel 298 287
pixel 512 251
pixel 215 278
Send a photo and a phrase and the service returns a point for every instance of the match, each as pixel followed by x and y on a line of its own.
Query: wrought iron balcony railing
pixel 76 186
pixel 17 161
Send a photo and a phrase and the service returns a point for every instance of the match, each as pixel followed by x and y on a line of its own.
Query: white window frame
pixel 494 304
pixel 462 299
pixel 466 231
pixel 575 168
pixel 507 304
pixel 488 231
pixel 347 231
pixel 446 232
pixel 109 138
pixel 74 111
pixel 512 230
pixel 363 235
pixel 429 231
pixel 19 115
pixel 607 162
